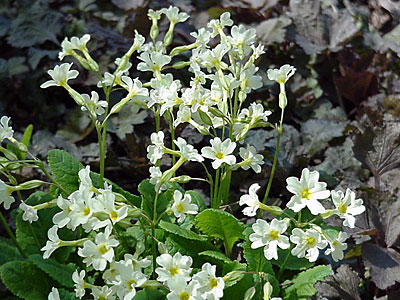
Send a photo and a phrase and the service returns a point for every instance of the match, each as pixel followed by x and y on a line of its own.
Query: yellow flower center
pixel 342 208
pixel 213 283
pixel 310 241
pixel 173 271
pixel 219 155
pixel 113 215
pixel 335 244
pixel 86 211
pixel 305 194
pixel 179 207
pixel 103 249
pixel 131 284
pixel 184 296
pixel 273 234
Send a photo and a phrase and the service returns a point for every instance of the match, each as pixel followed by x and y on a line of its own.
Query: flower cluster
pixel 307 193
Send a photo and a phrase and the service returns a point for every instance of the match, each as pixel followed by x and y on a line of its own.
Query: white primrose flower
pixel 180 289
pixel 79 279
pixel 100 252
pixel 53 243
pixel 6 131
pixel 337 246
pixel 5 195
pixel 135 88
pixel 249 81
pixel 82 208
pixel 251 159
pixel 309 241
pixel 269 235
pixel 155 178
pixel 241 39
pixel 307 192
pixel 213 58
pixel 127 280
pixel 93 104
pixel 153 62
pixel 281 75
pixel 154 14
pixel 218 25
pixel 156 151
pixel 202 37
pixel 347 206
pixel 105 293
pixel 173 265
pixel 53 295
pixel 62 218
pixel 184 206
pixel 188 151
pixel 255 113
pixel 85 182
pixel 60 75
pixel 106 201
pixel 173 14
pixel 138 264
pixel 30 213
pixel 210 286
pixel 251 200
pixel 75 44
pixel 220 152
pixel 184 115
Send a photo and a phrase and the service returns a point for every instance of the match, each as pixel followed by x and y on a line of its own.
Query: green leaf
pixel 65 169
pixel 148 294
pixel 25 280
pixel 303 285
pixel 26 138
pixel 9 253
pixel 216 256
pixel 66 295
pixel 177 230
pixel 256 260
pixel 60 272
pixel 220 224
pixel 197 199
pixel 146 189
pixel 294 263
pixel 17 65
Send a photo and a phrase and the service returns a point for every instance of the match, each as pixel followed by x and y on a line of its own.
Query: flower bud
pixel 249 293
pixel 32 184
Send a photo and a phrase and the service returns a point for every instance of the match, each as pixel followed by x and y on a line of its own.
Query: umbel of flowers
pixel 213 104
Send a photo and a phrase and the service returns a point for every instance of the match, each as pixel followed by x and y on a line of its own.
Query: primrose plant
pixel 165 243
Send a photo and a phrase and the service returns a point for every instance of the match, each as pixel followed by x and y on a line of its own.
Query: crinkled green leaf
pixel 177 230
pixel 9 253
pixel 65 169
pixel 220 224
pixel 302 286
pixel 25 280
pixel 273 30
pixel 16 65
pixel 146 189
pixel 60 272
pixel 216 255
pixel 294 262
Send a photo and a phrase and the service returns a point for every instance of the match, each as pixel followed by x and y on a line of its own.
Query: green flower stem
pixel 283 266
pixel 214 201
pixel 11 235
pixel 278 139
pixel 52 179
pixel 225 185
pixel 34 235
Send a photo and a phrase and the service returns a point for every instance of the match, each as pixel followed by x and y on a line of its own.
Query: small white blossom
pixel 6 131
pixel 251 200
pixel 184 206
pixel 211 286
pixel 309 241
pixel 218 25
pixel 155 178
pixel 93 104
pixel 337 246
pixel 30 213
pixel 249 81
pixel 156 150
pixel 79 280
pixel 62 218
pixel 180 289
pixel 106 201
pixel 138 264
pixel 54 295
pixel 347 206
pixel 100 252
pixel 188 151
pixel 5 195
pixel 82 208
pixel 53 243
pixel 173 265
pixel 135 88
pixel 127 280
pixel 154 14
pixel 281 75
pixel 220 152
pixel 60 75
pixel 105 293
pixel 251 159
pixel 153 62
pixel 269 235
pixel 173 14
pixel 307 192
pixel 75 44
pixel 241 39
